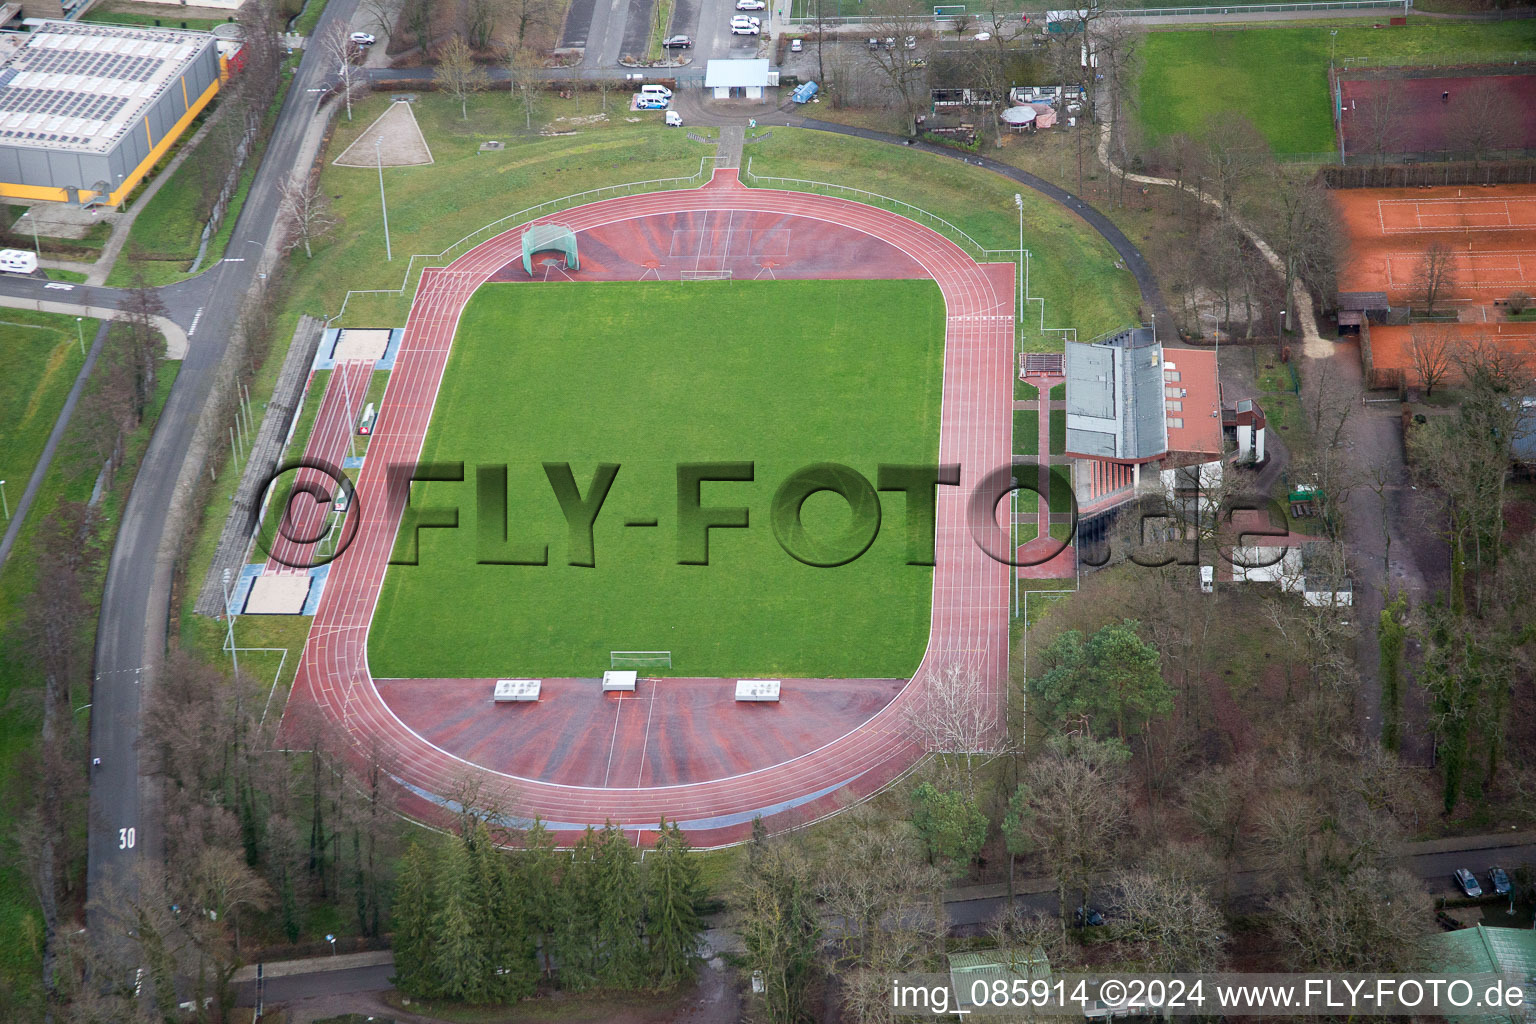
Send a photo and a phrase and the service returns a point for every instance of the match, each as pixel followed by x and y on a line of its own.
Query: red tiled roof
pixel 1193 401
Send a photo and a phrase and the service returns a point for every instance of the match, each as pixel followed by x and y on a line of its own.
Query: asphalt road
pixel 971 917
pixel 123 824
pixel 276 991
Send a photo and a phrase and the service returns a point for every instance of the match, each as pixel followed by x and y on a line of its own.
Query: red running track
pixel 970 590
pixel 329 441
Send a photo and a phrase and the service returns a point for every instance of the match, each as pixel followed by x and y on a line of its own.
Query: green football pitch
pixel 782 374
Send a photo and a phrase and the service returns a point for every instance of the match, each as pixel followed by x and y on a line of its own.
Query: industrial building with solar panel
pixel 86 111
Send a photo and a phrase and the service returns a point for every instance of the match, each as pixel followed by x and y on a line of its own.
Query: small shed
pixel 737 79
pixel 968 970
pixel 509 691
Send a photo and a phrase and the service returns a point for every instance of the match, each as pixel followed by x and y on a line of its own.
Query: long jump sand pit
pixel 403 144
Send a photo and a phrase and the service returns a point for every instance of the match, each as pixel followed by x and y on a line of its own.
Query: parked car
pixel 1466 881
pixel 650 103
pixel 744 29
pixel 746 19
pixel 674 119
pixel 1088 917
pixel 750 5
pixel 911 42
pixel 678 43
pixel 1498 881
pixel 363 38
pixel 795 46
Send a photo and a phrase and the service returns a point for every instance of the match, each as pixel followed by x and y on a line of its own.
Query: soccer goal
pixel 640 659
pixel 706 275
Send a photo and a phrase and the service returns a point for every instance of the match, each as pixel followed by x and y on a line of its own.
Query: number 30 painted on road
pixel 125 838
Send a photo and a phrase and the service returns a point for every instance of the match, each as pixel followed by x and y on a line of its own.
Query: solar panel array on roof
pixel 80 86
pixel 116 66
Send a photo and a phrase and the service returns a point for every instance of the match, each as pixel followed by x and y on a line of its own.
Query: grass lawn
pixel 1023 391
pixel 70 477
pixel 1278 76
pixel 1071 266
pixel 1059 392
pixel 1058 431
pixel 1061 490
pixel 1026 432
pixel 168 19
pixel 42 357
pixel 64 275
pixel 622 372
pixel 305 23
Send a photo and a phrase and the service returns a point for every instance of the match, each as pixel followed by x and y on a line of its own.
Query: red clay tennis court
pixel 1490 231
pixel 1437 115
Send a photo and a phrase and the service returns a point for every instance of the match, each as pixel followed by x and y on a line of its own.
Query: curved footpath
pixel 1151 295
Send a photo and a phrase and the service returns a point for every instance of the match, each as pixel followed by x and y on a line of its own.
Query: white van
pixel 655 92
pixel 18 261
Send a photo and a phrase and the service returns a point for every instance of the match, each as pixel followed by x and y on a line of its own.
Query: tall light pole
pixel 378 152
pixel 1280 338
pixel 79 335
pixel 1333 41
pixel 5 503
pixel 1018 201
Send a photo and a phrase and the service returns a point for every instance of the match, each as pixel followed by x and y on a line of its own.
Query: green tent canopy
pixel 542 237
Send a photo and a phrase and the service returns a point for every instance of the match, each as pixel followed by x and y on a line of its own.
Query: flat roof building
pixel 739 78
pixel 1115 398
pixel 87 110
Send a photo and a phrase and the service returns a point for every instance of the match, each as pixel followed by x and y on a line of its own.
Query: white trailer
pixel 18 261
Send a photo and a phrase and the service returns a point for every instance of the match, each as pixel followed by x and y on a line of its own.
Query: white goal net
pixel 640 659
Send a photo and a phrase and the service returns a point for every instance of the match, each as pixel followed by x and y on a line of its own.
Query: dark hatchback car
pixel 1498 881
pixel 678 42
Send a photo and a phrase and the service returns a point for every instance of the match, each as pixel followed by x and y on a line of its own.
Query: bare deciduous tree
pixel 1379 119
pixel 1432 355
pixel 303 201
pixel 458 74
pixel 341 52
pixel 1172 921
pixel 1434 276
pixel 1482 112
pixel 1351 925
pixel 907 80
pixel 480 18
pixel 522 72
pixel 956 713
pixel 1071 808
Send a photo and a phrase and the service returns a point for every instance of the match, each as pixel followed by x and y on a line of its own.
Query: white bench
pixel 620 681
pixel 512 690
pixel 757 689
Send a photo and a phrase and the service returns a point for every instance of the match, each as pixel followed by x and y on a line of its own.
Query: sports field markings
pixel 1512 267
pixel 1455 213
pixel 645 737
